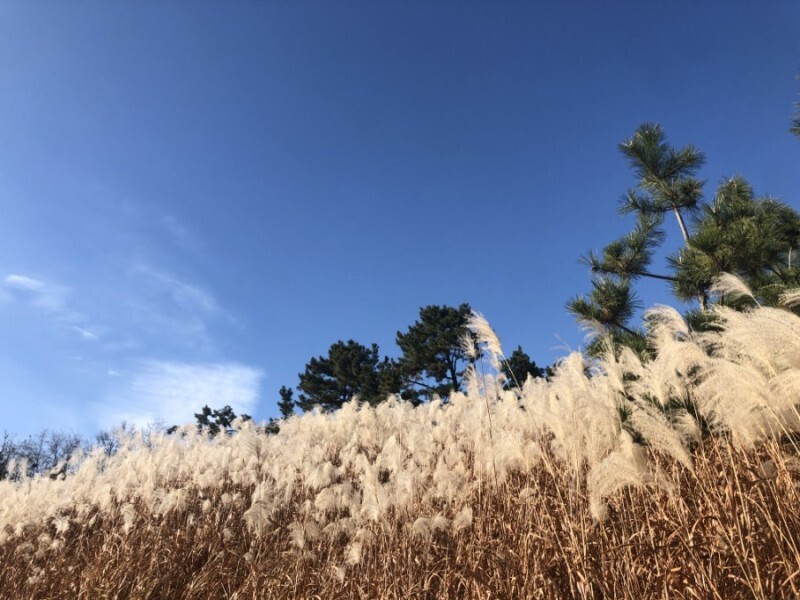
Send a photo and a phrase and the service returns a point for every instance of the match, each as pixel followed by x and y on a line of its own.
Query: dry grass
pixel 730 530
pixel 537 494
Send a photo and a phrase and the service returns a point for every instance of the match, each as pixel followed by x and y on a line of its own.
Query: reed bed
pixel 671 478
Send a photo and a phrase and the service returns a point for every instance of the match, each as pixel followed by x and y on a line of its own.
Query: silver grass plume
pixel 730 285
pixel 486 336
pixel 790 298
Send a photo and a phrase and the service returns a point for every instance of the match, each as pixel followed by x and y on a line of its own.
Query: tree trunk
pixel 702 298
pixel 454 375
pixel 682 225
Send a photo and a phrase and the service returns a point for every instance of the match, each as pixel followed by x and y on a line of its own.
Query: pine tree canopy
pixel 286 403
pixel 216 420
pixel 754 238
pixel 433 358
pixel 435 352
pixel 348 370
pixel 611 305
pixel 518 367
pixel 630 255
pixel 665 175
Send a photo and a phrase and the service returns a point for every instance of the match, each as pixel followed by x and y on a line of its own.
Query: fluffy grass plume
pixel 675 478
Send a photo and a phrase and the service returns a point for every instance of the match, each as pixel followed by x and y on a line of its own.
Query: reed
pixel 673 478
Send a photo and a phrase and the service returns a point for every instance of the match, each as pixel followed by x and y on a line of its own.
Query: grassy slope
pixel 728 532
pixel 476 498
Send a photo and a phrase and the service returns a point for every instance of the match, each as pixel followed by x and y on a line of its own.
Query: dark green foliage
pixel 215 420
pixel 666 181
pixel 611 303
pixel 432 363
pixel 630 255
pixel 754 239
pixel 391 381
pixel 518 367
pixel 348 370
pixel 286 403
pixel 433 359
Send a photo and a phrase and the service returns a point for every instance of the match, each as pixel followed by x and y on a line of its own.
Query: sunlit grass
pixel 676 478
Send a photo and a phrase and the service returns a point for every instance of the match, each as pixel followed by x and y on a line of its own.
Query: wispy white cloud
pixel 85 334
pixel 48 296
pixel 180 234
pixel 23 282
pixel 163 306
pixel 171 392
pixel 182 294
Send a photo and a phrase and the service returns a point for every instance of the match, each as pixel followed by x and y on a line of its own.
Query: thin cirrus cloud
pixel 23 282
pixel 163 291
pixel 47 296
pixel 134 334
pixel 171 392
pixel 182 294
pixel 85 334
pixel 165 309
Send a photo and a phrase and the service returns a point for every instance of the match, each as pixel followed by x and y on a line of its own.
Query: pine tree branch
pixel 640 273
pixel 422 384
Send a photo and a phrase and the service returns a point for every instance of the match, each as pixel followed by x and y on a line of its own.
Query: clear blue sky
pixel 198 197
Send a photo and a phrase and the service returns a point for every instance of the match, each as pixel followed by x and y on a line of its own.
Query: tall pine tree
pixel 738 233
pixel 433 357
pixel 350 369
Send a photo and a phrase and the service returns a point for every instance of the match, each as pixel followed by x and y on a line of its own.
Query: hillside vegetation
pixel 671 478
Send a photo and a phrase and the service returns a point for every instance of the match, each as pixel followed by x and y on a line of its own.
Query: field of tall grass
pixel 672 478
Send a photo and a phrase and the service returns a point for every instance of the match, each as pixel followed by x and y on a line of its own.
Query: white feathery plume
pixel 485 335
pixel 729 285
pixel 656 429
pixel 353 554
pixel 439 522
pixel 421 528
pixel 687 427
pixel 467 345
pixel 463 519
pixel 790 298
pixel 128 512
pixel 346 473
pixel 626 466
pixel 338 573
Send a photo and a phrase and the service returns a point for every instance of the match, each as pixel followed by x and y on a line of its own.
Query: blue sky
pixel 198 197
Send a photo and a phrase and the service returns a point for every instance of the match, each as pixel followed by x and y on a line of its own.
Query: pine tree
pixel 216 420
pixel 518 367
pixel 348 370
pixel 286 403
pixel 433 357
pixel 755 239
pixel 666 181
